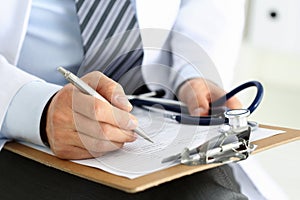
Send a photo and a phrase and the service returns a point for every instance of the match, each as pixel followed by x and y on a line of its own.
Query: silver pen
pixel 85 88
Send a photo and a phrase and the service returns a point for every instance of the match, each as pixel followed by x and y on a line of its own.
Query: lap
pixel 22 178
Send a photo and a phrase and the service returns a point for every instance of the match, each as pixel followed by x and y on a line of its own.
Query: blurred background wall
pixel 270 53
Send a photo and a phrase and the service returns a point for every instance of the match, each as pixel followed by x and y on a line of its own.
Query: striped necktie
pixel 111 38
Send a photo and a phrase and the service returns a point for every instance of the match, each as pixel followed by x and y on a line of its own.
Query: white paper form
pixel 142 157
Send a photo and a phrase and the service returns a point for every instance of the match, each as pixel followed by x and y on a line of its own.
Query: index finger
pixel 101 111
pixel 109 89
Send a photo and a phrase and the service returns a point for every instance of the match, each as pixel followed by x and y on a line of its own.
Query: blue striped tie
pixel 111 38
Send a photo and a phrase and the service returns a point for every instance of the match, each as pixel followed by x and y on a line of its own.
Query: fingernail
pixel 123 100
pixel 197 111
pixel 132 124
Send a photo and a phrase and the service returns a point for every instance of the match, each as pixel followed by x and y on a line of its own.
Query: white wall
pixel 271 54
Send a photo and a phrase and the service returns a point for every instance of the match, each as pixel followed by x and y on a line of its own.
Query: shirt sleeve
pixel 22 100
pixel 30 100
pixel 206 39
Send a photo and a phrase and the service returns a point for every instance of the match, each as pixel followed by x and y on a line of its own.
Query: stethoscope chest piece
pixel 237 119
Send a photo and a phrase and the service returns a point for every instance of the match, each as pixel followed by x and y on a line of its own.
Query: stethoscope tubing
pixel 184 118
pixel 255 103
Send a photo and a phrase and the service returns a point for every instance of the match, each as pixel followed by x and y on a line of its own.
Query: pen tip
pixel 150 141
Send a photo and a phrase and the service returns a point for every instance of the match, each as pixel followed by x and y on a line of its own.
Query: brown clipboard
pixel 147 181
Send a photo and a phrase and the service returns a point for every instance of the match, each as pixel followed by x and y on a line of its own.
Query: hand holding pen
pixel 85 88
pixel 81 126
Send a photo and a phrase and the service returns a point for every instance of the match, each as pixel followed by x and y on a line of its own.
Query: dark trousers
pixel 22 178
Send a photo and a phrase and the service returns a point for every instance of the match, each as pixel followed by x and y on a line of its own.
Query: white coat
pixel 215 25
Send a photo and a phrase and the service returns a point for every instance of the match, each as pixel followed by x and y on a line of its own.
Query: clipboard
pixel 147 181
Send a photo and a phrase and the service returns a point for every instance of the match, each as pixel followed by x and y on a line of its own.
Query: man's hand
pixel 81 126
pixel 198 93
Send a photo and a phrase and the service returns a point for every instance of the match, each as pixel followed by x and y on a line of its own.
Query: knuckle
pixel 97 74
pixel 101 110
pixel 113 86
pixel 105 131
pixel 94 74
pixel 98 108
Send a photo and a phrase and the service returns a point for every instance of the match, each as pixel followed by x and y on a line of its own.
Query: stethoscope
pixel 178 111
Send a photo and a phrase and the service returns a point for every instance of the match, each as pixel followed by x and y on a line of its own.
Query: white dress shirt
pixel 52 40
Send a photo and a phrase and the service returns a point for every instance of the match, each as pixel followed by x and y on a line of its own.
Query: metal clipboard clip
pixel 231 145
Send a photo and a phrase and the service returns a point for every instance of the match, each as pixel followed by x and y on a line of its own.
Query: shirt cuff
pixel 22 120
